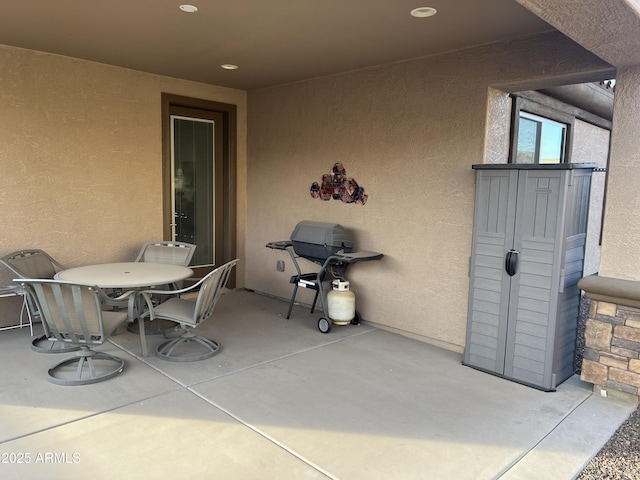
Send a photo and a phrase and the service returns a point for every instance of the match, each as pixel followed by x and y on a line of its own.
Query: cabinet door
pixel 493 236
pixel 534 289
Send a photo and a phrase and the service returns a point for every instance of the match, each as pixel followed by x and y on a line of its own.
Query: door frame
pixel 171 104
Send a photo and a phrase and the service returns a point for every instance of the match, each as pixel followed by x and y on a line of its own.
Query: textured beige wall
pixel 591 145
pixel 620 245
pixel 609 29
pixel 408 133
pixel 81 156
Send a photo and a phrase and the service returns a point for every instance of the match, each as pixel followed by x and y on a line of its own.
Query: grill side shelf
pixel 281 245
pixel 354 257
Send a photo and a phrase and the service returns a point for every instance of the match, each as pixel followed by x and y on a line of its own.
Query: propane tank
pixel 341 303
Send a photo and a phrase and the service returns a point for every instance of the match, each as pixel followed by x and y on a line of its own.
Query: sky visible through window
pixel 540 140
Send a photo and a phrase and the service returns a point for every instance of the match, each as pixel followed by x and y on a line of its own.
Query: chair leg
pixel 43 345
pixel 91 367
pixel 171 350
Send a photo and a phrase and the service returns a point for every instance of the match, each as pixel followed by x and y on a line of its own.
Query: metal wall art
pixel 338 186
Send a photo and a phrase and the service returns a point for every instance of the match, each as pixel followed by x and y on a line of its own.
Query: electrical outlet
pixel 280 265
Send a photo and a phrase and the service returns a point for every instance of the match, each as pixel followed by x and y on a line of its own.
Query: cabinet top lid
pixel 533 166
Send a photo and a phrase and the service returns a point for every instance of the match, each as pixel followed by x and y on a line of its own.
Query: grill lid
pixel 320 240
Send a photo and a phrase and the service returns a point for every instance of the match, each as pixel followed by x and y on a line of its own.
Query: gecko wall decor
pixel 338 186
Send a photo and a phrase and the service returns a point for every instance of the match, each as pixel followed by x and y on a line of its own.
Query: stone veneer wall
pixel 612 335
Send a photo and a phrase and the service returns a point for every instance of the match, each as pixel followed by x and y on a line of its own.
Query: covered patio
pixel 86 176
pixel 281 400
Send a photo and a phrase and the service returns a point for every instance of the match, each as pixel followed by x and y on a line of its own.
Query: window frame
pixel 521 104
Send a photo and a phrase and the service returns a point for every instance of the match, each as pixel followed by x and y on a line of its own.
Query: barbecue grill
pixel 328 245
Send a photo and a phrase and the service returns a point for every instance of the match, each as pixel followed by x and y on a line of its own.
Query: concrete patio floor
pixel 283 401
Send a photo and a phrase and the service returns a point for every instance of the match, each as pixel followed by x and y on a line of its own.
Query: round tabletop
pixel 126 274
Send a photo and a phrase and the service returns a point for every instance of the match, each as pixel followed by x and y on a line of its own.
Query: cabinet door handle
pixel 511 262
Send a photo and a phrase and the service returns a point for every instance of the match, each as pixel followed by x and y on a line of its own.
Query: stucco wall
pixel 408 133
pixel 81 156
pixel 620 246
pixel 591 145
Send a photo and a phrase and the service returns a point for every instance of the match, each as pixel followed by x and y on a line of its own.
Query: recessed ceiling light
pixel 422 12
pixel 229 66
pixel 188 8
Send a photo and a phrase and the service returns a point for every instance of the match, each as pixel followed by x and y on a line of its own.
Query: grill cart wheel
pixel 356 319
pixel 324 325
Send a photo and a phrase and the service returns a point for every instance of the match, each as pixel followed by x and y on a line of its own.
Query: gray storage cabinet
pixel 527 256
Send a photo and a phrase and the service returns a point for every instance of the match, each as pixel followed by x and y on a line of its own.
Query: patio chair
pixel 174 253
pixel 189 347
pixel 36 263
pixel 72 314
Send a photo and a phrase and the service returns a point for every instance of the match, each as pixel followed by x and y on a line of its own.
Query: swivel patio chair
pixel 36 263
pixel 189 347
pixel 174 253
pixel 72 314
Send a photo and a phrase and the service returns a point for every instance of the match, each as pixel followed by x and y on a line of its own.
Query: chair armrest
pixel 116 301
pixel 173 292
pixel 122 297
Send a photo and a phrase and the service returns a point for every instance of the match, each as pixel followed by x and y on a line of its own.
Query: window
pixel 539 133
pixel 540 140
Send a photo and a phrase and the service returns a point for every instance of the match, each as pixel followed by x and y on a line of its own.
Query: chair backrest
pixel 210 288
pixel 33 263
pixel 70 312
pixel 174 253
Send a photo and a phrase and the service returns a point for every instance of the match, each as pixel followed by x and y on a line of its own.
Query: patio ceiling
pixel 273 42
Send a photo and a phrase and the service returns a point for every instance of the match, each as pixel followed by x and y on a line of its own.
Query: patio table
pixel 127 276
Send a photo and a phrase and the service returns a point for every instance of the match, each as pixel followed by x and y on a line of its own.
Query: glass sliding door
pixel 196 186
